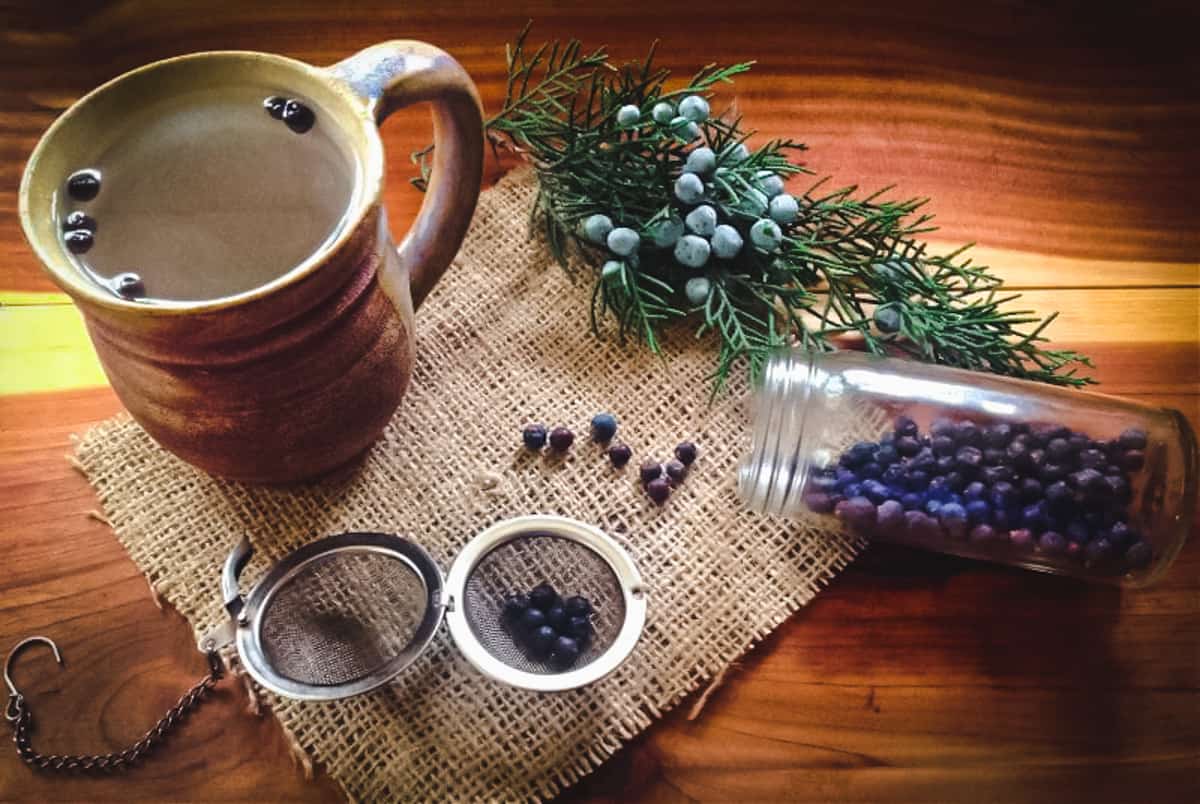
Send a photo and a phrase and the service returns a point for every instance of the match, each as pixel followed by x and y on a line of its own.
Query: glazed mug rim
pixel 365 142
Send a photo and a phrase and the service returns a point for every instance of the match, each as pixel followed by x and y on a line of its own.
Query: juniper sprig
pixel 814 264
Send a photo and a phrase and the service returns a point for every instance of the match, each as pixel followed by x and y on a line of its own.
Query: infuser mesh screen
pixel 341 617
pixel 522 563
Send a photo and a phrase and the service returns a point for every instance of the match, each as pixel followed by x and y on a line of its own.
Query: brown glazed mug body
pixel 298 376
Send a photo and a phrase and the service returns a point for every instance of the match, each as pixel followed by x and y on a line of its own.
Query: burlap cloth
pixel 503 341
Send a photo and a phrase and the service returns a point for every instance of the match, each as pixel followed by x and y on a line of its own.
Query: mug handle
pixel 395 74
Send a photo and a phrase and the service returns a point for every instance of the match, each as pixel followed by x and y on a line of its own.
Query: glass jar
pixel 973 464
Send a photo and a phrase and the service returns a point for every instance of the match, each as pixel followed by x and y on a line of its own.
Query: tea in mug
pixel 207 194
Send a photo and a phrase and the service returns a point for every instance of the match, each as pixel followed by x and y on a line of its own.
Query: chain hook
pixel 13 692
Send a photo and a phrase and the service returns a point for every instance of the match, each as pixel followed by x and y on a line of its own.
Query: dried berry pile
pixel 1040 487
pixel 547 627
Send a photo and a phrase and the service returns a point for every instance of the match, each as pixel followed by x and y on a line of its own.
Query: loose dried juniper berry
pixel 604 427
pixel 907 446
pixel 889 517
pixel 619 455
pixel 1133 438
pixel 686 452
pixel 650 470
pixel 857 512
pixel 561 439
pixel 532 619
pixel 577 606
pixel 514 606
pixel 540 641
pixel 544 596
pixel 1133 460
pixel 1052 543
pixel 997 435
pixel 905 426
pixel 534 437
pixel 675 470
pixel 1138 555
pixel 658 490
pixel 564 653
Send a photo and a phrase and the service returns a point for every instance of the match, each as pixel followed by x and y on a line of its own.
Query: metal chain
pixel 18 714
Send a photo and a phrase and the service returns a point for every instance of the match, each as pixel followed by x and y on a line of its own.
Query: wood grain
pixel 1061 137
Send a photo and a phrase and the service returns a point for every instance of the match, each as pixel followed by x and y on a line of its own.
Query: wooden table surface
pixel 1063 140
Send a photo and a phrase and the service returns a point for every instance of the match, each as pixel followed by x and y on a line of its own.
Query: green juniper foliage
pixel 826 264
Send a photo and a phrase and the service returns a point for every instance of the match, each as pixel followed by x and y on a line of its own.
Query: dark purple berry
pixel 1052 543
pixel 298 117
pixel 561 439
pixel 1077 531
pixel 889 517
pixel 954 519
pixel 1017 452
pixel 79 220
pixel 619 455
pixel 870 469
pixel 1020 537
pixel 1029 489
pixel 1097 551
pixel 887 455
pixel 852 490
pixel 1118 487
pixel 564 653
pixel 686 452
pixel 1074 549
pixel 860 453
pixel 676 471
pixel 534 437
pixel 997 435
pixel 923 460
pixel 604 427
pixel 1092 459
pixel 1132 460
pixel 994 456
pixel 1133 438
pixel 994 474
pixel 274 106
pixel 822 482
pixel 967 433
pixel 874 491
pixel 514 606
pixel 982 534
pixel 941 426
pixel 907 446
pixel 858 513
pixel 956 481
pixel 1138 555
pixel 978 511
pixel 1003 494
pixel 845 476
pixel 942 445
pixel 83 185
pixel 819 502
pixel 938 489
pixel 912 501
pixel 1051 473
pixel 580 627
pixel 932 506
pixel 540 641
pixel 1058 450
pixel 128 285
pixel 544 597
pixel 658 489
pixel 78 241
pixel 1058 493
pixel 974 490
pixel 945 464
pixel 905 426
pixel 1088 481
pixel 652 470
pixel 556 617
pixel 1113 470
pixel 894 474
pixel 917 480
pixel 1035 517
pixel 1121 535
pixel 921 526
pixel 531 619
pixel 1005 518
pixel 969 457
pixel 577 606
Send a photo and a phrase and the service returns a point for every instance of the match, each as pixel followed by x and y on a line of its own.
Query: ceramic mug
pixel 298 376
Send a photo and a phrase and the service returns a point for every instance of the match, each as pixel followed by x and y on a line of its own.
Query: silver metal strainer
pixel 345 614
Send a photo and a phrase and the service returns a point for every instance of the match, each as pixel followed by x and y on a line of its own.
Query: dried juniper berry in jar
pixel 977 465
